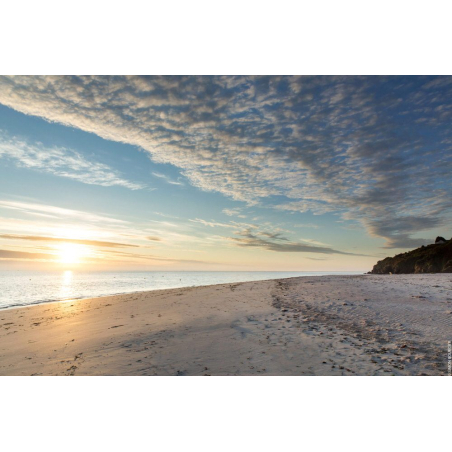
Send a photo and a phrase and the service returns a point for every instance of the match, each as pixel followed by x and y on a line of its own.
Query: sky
pixel 227 173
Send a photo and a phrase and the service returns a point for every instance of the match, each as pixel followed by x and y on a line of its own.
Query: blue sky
pixel 222 173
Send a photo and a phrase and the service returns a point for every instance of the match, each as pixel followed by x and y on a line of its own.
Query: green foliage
pixel 427 259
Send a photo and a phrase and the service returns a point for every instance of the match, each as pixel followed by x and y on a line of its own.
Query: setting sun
pixel 72 254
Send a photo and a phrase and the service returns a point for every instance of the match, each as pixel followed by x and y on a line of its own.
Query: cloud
pixel 236 212
pixel 66 240
pixel 399 229
pixel 278 243
pixel 150 257
pixel 25 221
pixel 48 211
pixel 230 225
pixel 20 255
pixel 372 149
pixel 61 162
pixel 213 224
pixel 274 236
pixel 306 225
pixel 167 179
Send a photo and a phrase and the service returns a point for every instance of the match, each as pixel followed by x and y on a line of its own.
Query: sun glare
pixel 71 253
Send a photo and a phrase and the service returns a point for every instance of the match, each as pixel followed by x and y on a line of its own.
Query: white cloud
pixel 56 212
pixel 236 212
pixel 212 223
pixel 61 162
pixel 167 179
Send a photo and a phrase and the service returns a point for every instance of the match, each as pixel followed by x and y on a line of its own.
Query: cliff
pixel 435 258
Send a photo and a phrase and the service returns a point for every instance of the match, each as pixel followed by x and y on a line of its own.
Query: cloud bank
pixel 375 149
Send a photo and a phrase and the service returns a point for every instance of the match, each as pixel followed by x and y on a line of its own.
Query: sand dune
pixel 328 325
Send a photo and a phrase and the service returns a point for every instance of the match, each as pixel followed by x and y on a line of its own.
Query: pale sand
pixel 329 325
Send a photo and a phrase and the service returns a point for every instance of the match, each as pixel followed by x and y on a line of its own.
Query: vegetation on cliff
pixel 435 258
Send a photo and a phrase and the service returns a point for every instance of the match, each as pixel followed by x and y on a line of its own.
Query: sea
pixel 23 288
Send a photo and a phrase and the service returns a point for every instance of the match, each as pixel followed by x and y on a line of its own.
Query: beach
pixel 323 325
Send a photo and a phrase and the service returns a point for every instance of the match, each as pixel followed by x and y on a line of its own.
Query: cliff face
pixel 427 259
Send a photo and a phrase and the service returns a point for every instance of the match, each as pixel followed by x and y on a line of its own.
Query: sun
pixel 71 253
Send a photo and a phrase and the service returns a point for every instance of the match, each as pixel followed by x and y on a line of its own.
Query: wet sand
pixel 327 325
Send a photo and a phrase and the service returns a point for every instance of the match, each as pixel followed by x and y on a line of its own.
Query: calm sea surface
pixel 18 288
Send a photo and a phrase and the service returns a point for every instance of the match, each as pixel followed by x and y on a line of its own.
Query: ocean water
pixel 20 288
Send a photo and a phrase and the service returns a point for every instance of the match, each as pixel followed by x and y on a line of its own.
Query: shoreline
pixel 308 325
pixel 65 300
pixel 153 288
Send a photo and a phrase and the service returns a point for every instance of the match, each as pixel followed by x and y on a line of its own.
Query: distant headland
pixel 435 258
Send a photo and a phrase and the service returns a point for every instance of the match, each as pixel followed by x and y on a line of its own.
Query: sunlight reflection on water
pixel 66 285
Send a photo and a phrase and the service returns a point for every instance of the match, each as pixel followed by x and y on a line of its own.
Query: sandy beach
pixel 328 325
